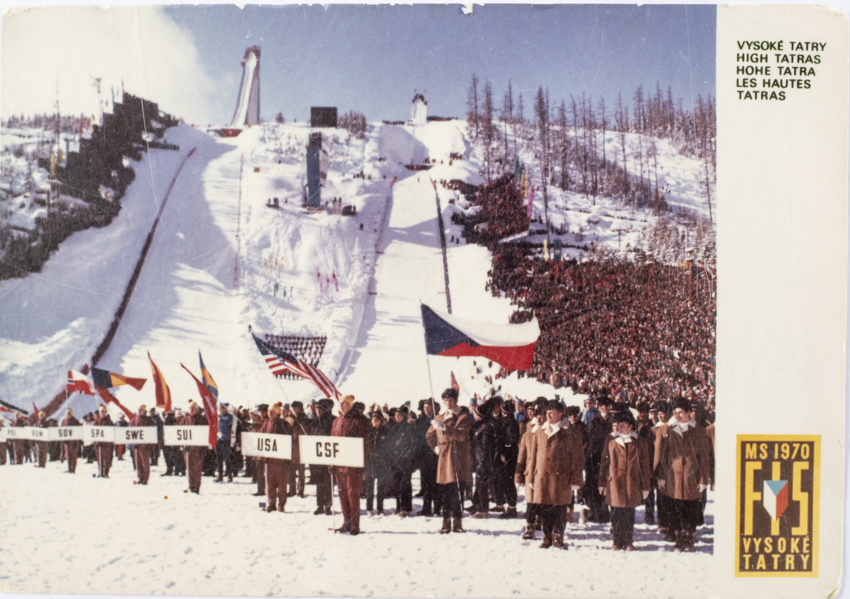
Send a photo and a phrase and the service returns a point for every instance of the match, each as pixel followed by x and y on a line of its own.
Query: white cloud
pixel 138 45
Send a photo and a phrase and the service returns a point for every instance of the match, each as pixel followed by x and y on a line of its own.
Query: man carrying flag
pixel 350 423
pixel 103 450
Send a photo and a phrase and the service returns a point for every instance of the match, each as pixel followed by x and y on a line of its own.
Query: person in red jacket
pixel 277 471
pixel 19 446
pixel 103 451
pixel 71 447
pixel 41 446
pixel 142 453
pixel 194 455
pixel 350 423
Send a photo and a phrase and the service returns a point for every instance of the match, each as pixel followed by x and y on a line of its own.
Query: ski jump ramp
pixel 248 101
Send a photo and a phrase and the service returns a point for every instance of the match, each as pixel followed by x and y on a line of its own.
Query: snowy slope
pixel 206 279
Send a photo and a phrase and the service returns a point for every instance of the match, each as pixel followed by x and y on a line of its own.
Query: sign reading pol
pixel 266 445
pixel 196 435
pixel 331 451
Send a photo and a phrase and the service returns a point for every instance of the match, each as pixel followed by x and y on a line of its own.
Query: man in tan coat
pixel 625 477
pixel 682 467
pixel 448 436
pixel 556 460
pixel 536 415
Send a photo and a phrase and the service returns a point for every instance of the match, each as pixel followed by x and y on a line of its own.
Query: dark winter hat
pixel 680 403
pixel 604 401
pixel 625 416
pixel 404 409
pixel 486 408
pixel 392 412
pixel 422 403
pixel 554 404
pixel 643 408
pixel 359 405
pixel 327 404
pixel 573 411
pixel 264 407
pixel 540 405
pixel 379 416
pixel 297 404
pixel 508 407
pixel 618 407
pixel 450 393
pixel 653 407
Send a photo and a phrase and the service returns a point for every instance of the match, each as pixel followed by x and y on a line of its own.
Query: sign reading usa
pixel 778 505
pixel 267 445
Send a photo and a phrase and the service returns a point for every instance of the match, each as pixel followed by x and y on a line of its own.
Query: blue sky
pixel 372 58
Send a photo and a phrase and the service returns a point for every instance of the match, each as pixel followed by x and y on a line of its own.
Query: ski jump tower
pixel 247 111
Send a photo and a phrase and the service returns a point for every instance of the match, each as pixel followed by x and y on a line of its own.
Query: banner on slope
pixel 136 435
pixel 331 451
pixel 191 435
pixel 510 345
pixel 98 434
pixel 65 433
pixel 267 445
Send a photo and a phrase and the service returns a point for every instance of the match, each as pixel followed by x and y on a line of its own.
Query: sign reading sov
pixel 331 451
pixel 195 435
pixel 98 434
pixel 136 435
pixel 66 433
pixel 267 445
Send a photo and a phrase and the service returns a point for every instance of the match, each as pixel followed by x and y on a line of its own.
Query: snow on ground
pixel 75 533
pixel 206 279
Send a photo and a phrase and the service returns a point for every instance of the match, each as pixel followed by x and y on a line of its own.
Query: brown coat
pixel 352 424
pixel 557 463
pixel 523 464
pixel 683 461
pixel 454 463
pixel 625 472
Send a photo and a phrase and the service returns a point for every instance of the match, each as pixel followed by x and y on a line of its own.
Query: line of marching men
pixel 612 466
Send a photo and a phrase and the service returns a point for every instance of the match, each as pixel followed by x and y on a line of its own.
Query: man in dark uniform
pixel 320 475
pixel 297 472
pixel 427 460
pixel 600 428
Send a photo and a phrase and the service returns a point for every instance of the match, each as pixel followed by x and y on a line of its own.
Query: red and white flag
pixel 79 383
pixel 109 398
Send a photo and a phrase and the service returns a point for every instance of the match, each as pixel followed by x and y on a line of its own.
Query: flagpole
pixel 427 361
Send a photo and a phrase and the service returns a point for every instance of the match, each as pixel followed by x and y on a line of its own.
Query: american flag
pixel 280 362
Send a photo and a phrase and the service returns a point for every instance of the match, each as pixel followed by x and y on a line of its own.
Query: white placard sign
pixel 17 433
pixel 98 434
pixel 39 434
pixel 136 435
pixel 65 433
pixel 196 435
pixel 3 434
pixel 331 451
pixel 267 445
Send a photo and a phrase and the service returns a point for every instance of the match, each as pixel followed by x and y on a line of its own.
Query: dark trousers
pixel 685 514
pixel 431 501
pixel 450 495
pixel 155 455
pixel 403 491
pixel 505 489
pixel 649 505
pixel 143 462
pixel 483 488
pixel 371 481
pixel 324 490
pixel 222 454
pixel 260 471
pixel 20 449
pixel 531 512
pixel 297 480
pixel 194 457
pixel 41 453
pixel 553 518
pixel 168 452
pixel 103 451
pixel 623 523
pixel 664 509
pixel 349 483
pixel 3 454
pixel 592 498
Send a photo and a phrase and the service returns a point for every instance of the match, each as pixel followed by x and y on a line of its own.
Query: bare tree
pixel 472 106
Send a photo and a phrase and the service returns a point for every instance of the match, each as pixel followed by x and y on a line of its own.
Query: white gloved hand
pixel 645 495
pixel 601 490
pixel 575 488
pixel 662 483
pixel 702 487
pixel 437 450
pixel 438 426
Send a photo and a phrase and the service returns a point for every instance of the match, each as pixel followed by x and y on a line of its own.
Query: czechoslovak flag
pixel 509 345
